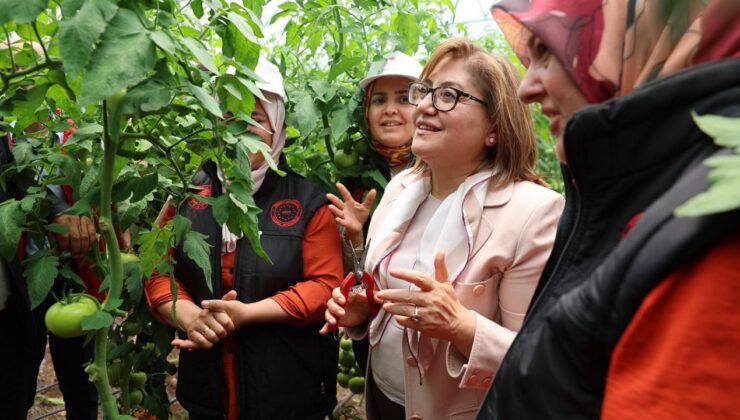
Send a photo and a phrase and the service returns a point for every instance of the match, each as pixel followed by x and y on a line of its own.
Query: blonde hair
pixel 515 153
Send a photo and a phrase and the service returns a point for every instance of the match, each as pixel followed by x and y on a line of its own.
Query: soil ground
pixel 49 404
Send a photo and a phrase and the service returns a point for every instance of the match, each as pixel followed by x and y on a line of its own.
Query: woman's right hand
pixel 341 312
pixel 205 328
pixel 349 213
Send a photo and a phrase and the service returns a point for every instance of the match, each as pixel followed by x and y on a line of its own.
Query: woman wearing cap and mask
pixel 457 243
pixel 256 353
pixel 389 121
pixel 636 314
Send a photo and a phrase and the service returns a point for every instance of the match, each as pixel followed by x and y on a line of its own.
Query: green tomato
pixel 345 160
pixel 343 379
pixel 357 385
pixel 361 147
pixel 136 397
pixel 64 318
pixel 88 161
pixel 131 327
pixel 347 359
pixel 346 345
pixel 114 373
pixel 137 379
pixel 127 258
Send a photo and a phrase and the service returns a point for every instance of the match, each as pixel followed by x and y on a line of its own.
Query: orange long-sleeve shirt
pixel 679 357
pixel 305 301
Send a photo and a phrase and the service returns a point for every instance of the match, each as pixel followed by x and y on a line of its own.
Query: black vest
pixel 639 153
pixel 283 371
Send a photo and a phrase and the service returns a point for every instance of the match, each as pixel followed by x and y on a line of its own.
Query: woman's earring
pixel 490 140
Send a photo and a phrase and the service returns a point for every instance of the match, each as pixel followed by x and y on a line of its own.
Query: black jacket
pixel 638 153
pixel 283 371
pixel 18 370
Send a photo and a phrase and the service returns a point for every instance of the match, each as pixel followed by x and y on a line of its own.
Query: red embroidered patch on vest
pixel 199 205
pixel 286 213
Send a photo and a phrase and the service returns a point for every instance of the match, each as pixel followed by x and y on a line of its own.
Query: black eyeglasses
pixel 444 98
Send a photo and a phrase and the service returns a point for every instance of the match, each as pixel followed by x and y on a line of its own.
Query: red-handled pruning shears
pixel 358 281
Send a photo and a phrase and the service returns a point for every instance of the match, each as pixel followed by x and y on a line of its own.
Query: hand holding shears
pixel 354 297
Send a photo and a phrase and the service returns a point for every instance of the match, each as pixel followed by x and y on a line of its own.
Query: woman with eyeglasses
pixel 456 244
pixel 388 119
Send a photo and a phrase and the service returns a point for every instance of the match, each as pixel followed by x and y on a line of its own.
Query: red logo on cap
pixel 205 191
pixel 286 213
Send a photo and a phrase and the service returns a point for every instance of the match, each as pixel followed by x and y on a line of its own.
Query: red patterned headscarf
pixel 609 47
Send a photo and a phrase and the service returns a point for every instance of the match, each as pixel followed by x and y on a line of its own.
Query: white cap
pixel 396 64
pixel 272 80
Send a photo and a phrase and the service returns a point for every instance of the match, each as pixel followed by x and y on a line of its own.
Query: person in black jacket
pixel 635 314
pixel 17 373
pixel 257 353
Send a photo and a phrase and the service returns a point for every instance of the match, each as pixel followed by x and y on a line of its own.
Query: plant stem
pixel 111 132
pixel 327 137
pixel 10 49
pixel 38 36
pixel 107 400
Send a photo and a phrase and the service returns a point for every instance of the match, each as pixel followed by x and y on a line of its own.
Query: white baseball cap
pixel 272 80
pixel 396 64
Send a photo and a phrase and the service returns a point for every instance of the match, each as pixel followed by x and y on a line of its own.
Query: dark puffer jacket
pixel 639 153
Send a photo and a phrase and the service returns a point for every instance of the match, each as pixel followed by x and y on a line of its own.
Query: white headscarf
pixel 271 85
pixel 275 110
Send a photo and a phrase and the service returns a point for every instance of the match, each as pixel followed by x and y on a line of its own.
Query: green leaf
pixel 97 321
pixel 133 275
pixel 71 168
pixel 23 153
pixel 205 98
pixel 12 217
pixel 182 227
pixel 163 41
pixel 343 65
pixel 724 130
pixel 144 186
pixel 57 228
pixel 252 87
pixel 78 34
pixel 408 28
pixel 196 247
pixel 376 176
pixel 723 195
pixel 201 54
pixel 197 7
pixel 148 96
pixel 21 11
pixel 243 26
pixel 341 121
pixel 244 51
pixel 306 114
pixel 85 131
pixel 124 58
pixel 26 103
pixel 69 274
pixel 40 270
pixel 221 209
pixel 153 247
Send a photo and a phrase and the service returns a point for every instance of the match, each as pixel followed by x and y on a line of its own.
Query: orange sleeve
pixel 322 270
pixel 157 287
pixel 679 357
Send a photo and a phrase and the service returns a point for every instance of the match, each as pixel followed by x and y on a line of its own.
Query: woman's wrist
pixel 464 334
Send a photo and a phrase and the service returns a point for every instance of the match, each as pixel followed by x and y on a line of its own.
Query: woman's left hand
pixel 435 309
